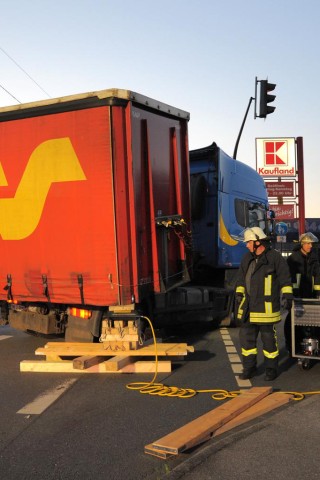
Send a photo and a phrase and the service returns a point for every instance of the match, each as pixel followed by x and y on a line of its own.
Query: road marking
pixel 234 358
pixel 43 401
pixel 237 367
pixel 231 349
pixel 243 383
pixel 4 337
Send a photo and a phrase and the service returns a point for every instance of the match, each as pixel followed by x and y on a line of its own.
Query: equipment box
pixel 305 325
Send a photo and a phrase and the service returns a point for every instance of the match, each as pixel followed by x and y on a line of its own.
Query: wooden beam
pixel 116 363
pixel 81 363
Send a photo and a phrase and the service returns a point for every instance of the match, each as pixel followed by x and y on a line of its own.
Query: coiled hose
pixel 161 390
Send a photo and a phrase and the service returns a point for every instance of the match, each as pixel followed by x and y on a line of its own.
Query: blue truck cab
pixel 227 196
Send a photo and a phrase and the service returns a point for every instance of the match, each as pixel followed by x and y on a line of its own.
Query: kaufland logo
pixel 274 157
pixel 275 153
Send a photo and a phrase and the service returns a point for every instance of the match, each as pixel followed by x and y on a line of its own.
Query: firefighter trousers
pixel 248 339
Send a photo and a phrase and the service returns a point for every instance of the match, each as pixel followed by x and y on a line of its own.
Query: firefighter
pixel 305 276
pixel 264 279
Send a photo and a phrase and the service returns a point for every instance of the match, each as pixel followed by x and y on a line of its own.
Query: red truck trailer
pixel 94 209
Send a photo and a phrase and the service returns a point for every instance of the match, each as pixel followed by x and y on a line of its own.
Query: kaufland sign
pixel 276 157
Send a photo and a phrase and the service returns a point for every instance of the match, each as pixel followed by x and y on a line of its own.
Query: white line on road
pixel 41 403
pixel 4 337
pixel 234 359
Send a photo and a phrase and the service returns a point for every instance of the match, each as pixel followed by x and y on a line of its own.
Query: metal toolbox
pixel 305 330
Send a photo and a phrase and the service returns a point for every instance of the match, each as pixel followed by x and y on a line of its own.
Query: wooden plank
pixel 116 347
pixel 63 366
pixel 81 363
pixel 92 349
pixel 66 366
pixel 157 453
pixel 163 366
pixel 121 338
pixel 53 358
pixel 203 427
pixel 151 450
pixel 267 404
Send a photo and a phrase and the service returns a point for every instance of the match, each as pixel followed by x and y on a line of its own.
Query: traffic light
pixel 265 98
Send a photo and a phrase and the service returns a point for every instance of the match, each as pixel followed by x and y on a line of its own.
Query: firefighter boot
pixel 248 373
pixel 271 374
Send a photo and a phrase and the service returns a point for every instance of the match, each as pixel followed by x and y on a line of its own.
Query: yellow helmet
pixel 308 238
pixel 254 233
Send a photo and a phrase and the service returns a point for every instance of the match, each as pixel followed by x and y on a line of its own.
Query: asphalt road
pixel 63 426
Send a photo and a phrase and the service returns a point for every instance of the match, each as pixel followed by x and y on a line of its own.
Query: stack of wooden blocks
pixel 121 334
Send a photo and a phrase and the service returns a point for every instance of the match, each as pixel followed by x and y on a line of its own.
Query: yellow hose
pixel 159 389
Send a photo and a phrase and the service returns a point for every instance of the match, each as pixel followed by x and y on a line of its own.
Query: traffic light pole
pixel 240 133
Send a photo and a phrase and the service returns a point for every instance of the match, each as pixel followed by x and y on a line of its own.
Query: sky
pixel 202 56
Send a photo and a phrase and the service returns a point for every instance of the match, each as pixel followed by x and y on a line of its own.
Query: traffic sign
pixel 281 239
pixel 281 229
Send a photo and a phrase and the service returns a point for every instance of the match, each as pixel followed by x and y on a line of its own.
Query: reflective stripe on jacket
pixel 305 274
pixel 270 279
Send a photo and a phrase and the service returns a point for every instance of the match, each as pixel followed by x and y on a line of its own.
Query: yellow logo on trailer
pixel 52 161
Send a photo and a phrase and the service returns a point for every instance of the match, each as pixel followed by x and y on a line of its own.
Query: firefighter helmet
pixel 254 233
pixel 308 238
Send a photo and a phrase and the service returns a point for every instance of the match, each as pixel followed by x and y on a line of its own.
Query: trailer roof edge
pixel 108 95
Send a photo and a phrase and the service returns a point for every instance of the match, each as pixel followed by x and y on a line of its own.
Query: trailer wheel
pixel 304 363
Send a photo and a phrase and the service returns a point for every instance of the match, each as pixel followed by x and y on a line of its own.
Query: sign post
pixel 281 230
pixel 283 158
pixel 301 185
